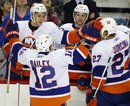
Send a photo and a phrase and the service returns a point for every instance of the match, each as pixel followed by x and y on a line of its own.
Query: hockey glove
pixel 12 30
pixel 83 82
pixel 90 101
pixel 91 31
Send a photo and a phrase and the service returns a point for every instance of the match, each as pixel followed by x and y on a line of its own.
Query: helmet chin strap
pixel 34 22
pixel 33 18
pixel 109 37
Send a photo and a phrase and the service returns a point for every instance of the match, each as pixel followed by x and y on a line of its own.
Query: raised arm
pixel 90 32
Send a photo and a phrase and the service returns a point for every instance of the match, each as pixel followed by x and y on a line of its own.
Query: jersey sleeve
pixel 99 63
pixel 70 37
pixel 62 36
pixel 16 51
pixel 123 29
pixel 23 56
pixel 80 55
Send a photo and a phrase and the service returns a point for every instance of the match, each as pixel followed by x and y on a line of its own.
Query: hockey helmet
pixel 81 8
pixel 43 43
pixel 109 27
pixel 37 7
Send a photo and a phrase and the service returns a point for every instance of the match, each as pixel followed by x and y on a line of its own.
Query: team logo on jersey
pixel 22 51
pixel 29 42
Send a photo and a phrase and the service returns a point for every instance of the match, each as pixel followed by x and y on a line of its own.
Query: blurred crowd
pixel 59 11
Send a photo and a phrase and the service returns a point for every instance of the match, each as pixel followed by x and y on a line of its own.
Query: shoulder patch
pixel 22 51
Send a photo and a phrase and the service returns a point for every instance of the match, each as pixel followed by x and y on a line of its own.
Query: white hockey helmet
pixel 81 8
pixel 109 27
pixel 43 43
pixel 37 7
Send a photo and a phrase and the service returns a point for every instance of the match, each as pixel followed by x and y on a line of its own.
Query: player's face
pixel 80 18
pixel 104 35
pixel 39 18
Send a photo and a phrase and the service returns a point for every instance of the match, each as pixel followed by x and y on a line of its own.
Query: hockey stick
pixel 102 76
pixel 14 10
pixel 9 71
pixel 12 16
pixel 11 12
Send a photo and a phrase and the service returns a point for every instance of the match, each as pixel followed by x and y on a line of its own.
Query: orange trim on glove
pixel 12 33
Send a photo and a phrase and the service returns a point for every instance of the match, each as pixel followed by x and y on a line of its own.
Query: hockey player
pixel 38 26
pixel 110 81
pixel 49 81
pixel 80 15
pixel 79 74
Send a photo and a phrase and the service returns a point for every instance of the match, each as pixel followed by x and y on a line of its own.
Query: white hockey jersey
pixel 49 76
pixel 76 70
pixel 68 26
pixel 27 36
pixel 115 76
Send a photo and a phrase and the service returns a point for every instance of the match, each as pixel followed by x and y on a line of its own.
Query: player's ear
pixel 33 17
pixel 45 20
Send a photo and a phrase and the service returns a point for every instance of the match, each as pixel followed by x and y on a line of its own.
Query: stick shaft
pixel 8 79
pixel 102 77
pixel 14 10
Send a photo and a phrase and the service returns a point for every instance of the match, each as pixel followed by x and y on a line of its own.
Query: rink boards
pixel 19 95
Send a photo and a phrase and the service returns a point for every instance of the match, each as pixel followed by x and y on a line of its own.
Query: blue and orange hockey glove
pixel 90 101
pixel 12 30
pixel 83 82
pixel 91 31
